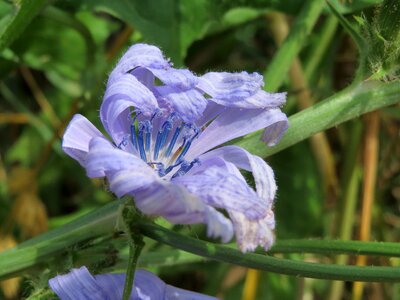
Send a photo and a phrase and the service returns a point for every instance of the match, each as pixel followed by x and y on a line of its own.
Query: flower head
pixel 80 284
pixel 165 124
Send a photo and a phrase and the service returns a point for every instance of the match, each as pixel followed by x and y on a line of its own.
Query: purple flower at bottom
pixel 165 125
pixel 79 284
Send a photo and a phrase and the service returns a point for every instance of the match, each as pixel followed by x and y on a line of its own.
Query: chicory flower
pixel 165 124
pixel 79 284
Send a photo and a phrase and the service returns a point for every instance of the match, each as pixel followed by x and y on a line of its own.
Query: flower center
pixel 163 141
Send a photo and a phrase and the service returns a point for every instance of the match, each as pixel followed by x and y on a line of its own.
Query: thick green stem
pixel 41 248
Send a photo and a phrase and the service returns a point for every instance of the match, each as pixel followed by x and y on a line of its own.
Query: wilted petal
pixel 233 123
pixel 218 187
pixel 77 137
pixel 262 173
pixel 253 233
pixel 218 225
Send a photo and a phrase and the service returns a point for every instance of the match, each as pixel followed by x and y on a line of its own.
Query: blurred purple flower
pixel 165 124
pixel 79 284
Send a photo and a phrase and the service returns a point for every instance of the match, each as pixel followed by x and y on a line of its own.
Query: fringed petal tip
pixel 252 234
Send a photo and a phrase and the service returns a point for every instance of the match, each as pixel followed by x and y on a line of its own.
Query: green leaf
pixel 277 70
pixel 14 24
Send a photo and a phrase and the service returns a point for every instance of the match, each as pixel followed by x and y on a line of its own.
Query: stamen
pixel 162 136
pixel 124 142
pixel 145 128
pixel 185 167
pixel 141 138
pixel 173 141
pixel 133 136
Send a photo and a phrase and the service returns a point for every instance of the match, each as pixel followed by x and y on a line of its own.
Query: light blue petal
pixel 79 284
pixel 189 104
pixel 103 157
pixel 113 284
pixel 262 173
pixel 173 202
pixel 273 133
pixel 221 185
pixel 139 55
pixel 120 97
pixel 240 90
pixel 180 79
pixel 173 293
pixel 77 137
pixel 233 123
pixel 230 86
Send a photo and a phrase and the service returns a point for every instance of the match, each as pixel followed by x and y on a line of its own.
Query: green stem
pixel 39 249
pixel 318 51
pixel 341 107
pixel 279 66
pixel 330 247
pixel 268 263
pixel 136 245
pixel 102 221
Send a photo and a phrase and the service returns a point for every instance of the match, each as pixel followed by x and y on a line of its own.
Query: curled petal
pixel 139 55
pixel 119 98
pixel 77 137
pixel 253 233
pixel 273 133
pixel 233 123
pixel 262 173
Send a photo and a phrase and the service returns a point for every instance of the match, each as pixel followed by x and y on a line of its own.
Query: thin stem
pixel 136 245
pixel 370 167
pixel 302 26
pixel 268 263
